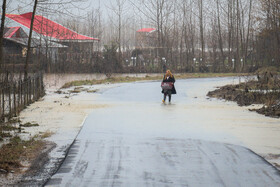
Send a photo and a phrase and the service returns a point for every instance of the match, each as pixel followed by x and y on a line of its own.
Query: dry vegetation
pixel 265 90
pixel 146 78
pixel 18 150
pixel 15 151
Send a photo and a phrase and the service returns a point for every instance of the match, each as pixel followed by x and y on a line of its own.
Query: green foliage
pixel 136 52
pixel 28 124
pixel 112 59
pixel 12 153
pixel 110 52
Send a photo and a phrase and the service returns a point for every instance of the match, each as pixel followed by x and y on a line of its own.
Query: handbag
pixel 166 85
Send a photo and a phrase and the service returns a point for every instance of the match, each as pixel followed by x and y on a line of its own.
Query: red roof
pixel 10 32
pixel 146 30
pixel 47 27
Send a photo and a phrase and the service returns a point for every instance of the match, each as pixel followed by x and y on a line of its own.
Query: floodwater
pixel 192 141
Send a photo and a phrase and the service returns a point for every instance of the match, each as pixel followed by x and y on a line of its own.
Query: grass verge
pixel 147 78
pixel 16 150
pixel 28 124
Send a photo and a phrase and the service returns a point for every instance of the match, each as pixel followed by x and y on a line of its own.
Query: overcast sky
pixel 78 9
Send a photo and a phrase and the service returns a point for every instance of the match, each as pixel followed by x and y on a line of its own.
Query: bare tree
pixel 248 33
pixel 29 40
pixel 118 8
pixel 271 31
pixel 201 29
pixel 221 46
pixel 229 34
pixel 2 35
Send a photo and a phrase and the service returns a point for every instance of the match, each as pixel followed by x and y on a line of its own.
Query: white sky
pixel 78 9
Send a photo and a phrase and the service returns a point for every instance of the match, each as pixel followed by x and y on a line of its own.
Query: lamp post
pixel 164 60
pixel 133 60
pixel 194 61
pixel 233 63
pixel 163 64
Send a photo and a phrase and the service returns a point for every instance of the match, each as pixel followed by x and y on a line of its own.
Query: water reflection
pixel 191 114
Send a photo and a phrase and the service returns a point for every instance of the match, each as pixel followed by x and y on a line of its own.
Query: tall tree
pixel 220 33
pixel 201 29
pixel 29 40
pixel 248 31
pixel 118 8
pixel 2 35
pixel 237 60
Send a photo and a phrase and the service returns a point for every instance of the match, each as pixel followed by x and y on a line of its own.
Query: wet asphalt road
pixel 138 141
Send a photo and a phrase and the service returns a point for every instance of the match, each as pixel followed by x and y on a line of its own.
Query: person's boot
pixel 164 98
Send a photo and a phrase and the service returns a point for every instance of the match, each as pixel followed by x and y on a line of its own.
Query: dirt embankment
pixel 265 90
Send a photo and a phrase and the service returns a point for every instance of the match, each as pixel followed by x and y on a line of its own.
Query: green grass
pixel 4 135
pixel 108 80
pixel 28 124
pixel 8 127
pixel 207 75
pixel 147 78
pixel 17 149
pixel 46 134
pixel 5 130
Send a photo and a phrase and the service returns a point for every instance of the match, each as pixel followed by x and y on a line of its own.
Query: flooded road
pixel 193 141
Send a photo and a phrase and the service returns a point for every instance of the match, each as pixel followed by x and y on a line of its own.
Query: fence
pixel 14 96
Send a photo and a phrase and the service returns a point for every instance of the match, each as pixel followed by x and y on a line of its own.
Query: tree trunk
pixel 29 40
pixel 248 33
pixel 237 66
pixel 201 31
pixel 230 32
pixel 120 30
pixel 220 34
pixel 2 35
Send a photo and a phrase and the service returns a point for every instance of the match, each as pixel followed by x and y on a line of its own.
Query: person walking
pixel 167 86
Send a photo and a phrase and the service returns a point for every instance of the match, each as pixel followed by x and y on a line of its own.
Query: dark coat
pixel 170 79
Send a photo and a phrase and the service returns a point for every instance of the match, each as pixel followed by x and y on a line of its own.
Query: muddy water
pixel 193 141
pixel 192 112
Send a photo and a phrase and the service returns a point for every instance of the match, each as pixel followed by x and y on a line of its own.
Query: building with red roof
pixel 145 38
pixel 15 43
pixel 15 40
pixel 14 32
pixel 146 30
pixel 49 32
pixel 49 28
pixel 52 42
pixel 146 47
